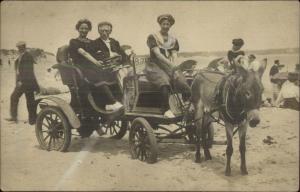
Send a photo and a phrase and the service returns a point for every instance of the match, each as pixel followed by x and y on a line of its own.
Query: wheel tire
pixel 116 130
pixel 56 129
pixel 142 141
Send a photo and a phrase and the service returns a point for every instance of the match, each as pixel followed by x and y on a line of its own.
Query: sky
pixel 199 25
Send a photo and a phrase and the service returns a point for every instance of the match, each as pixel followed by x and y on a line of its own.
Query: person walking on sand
pixel 25 83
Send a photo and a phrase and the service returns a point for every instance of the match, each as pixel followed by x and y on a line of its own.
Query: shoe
pixel 14 120
pixel 117 105
pixel 169 114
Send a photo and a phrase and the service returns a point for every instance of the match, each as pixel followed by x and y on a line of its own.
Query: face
pixel 83 30
pixel 252 93
pixel 104 31
pixel 165 25
pixel 21 48
pixel 236 47
pixel 251 59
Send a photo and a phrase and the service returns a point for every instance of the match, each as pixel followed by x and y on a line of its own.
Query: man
pixel 273 71
pixel 102 49
pixel 25 83
pixel 106 47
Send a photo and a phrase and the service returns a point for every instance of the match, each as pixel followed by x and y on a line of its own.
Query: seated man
pixel 104 48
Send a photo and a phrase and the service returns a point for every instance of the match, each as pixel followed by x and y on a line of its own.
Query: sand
pixel 99 163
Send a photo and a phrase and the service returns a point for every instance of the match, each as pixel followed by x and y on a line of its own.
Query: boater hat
pixel 168 17
pixel 20 43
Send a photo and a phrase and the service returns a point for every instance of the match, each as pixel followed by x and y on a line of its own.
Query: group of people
pixel 285 94
pixel 89 55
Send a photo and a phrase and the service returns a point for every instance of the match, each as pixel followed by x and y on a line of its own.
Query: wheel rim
pixel 52 132
pixel 140 145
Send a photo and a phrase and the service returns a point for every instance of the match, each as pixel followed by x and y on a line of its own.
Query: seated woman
pixel 79 50
pixel 161 69
pixel 289 94
pixel 236 51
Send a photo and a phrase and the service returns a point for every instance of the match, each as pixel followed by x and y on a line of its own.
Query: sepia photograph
pixel 149 95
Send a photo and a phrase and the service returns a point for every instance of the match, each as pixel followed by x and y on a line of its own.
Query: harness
pixel 226 93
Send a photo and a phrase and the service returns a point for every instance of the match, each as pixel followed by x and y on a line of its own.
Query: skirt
pixel 156 75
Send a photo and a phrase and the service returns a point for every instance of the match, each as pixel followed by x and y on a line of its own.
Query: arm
pixel 164 63
pixel 89 57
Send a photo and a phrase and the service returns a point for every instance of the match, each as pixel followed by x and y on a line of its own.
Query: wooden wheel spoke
pixel 116 132
pixel 49 144
pixel 45 125
pixel 46 137
pixel 49 121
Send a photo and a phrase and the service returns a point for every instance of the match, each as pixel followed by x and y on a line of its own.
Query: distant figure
pixel 25 83
pixel 289 94
pixel 9 62
pixel 253 63
pixel 232 54
pixel 0 62
pixel 297 68
pixel 276 87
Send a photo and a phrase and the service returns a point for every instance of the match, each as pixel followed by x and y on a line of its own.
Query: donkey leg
pixel 229 149
pixel 199 122
pixel 206 139
pixel 242 137
pixel 198 154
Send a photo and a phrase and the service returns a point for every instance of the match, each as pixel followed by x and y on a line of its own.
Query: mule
pixel 235 99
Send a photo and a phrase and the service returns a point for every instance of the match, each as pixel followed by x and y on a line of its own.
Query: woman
pixel 161 68
pixel 236 51
pixel 79 49
pixel 289 94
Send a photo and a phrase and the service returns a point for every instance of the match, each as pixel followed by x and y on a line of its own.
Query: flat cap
pixel 104 23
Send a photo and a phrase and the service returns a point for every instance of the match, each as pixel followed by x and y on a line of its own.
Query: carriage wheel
pixel 52 130
pixel 142 141
pixel 116 130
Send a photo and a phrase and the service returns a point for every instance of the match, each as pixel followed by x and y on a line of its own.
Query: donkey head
pixel 250 91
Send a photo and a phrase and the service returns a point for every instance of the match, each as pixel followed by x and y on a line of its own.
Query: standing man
pixel 25 83
pixel 276 87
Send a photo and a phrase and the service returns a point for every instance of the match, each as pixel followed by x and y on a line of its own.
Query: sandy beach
pixel 99 163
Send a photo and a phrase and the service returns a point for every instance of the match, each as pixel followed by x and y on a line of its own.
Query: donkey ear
pixel 262 68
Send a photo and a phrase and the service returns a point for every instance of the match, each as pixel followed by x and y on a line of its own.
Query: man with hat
pixel 25 83
pixel 273 71
pixel 236 51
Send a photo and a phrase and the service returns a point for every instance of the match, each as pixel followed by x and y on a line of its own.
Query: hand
pixel 99 63
pixel 19 83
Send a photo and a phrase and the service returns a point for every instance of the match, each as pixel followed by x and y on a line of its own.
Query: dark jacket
pixel 25 69
pixel 101 51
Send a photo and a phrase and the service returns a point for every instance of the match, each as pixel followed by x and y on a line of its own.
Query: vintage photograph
pixel 149 96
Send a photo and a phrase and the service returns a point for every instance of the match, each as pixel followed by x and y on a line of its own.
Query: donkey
pixel 235 99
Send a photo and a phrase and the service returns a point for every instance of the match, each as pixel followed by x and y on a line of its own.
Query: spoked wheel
pixel 116 130
pixel 53 130
pixel 142 141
